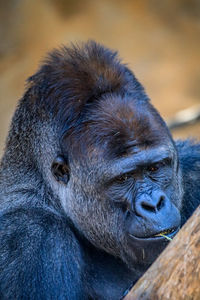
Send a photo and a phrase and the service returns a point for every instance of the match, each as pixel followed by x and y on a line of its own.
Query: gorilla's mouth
pixel 147 247
pixel 168 234
pixel 164 234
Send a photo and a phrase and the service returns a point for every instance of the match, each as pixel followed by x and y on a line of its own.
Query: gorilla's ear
pixel 60 169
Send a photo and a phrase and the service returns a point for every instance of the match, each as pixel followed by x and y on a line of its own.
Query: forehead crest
pixel 122 123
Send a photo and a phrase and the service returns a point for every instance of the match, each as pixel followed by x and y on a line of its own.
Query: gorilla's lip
pixel 162 235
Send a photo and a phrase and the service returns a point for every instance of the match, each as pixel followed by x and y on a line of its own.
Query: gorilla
pixel 89 180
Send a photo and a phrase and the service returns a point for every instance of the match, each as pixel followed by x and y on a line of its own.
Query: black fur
pixel 189 155
pixel 67 207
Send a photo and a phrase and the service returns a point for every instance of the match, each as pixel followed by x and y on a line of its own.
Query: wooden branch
pixel 176 272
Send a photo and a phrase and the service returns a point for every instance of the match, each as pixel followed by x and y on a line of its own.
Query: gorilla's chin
pixel 147 249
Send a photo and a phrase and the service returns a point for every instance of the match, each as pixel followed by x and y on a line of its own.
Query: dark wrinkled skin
pixel 89 178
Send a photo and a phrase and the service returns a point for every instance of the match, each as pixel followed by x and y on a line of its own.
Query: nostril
pixel 148 207
pixel 153 207
pixel 161 203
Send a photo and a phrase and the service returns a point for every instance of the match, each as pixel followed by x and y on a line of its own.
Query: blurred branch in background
pixel 185 117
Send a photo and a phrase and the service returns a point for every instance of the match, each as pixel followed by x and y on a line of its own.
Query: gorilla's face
pixel 124 188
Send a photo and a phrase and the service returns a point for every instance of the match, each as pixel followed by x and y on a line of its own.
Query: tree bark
pixel 175 275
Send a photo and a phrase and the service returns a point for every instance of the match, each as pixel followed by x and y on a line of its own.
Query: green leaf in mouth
pixel 165 236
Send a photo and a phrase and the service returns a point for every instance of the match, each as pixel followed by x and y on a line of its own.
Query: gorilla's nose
pixel 146 204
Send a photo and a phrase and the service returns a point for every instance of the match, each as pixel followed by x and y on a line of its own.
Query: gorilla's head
pixel 115 167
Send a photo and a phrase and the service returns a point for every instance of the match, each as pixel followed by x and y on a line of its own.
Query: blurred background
pixel 159 39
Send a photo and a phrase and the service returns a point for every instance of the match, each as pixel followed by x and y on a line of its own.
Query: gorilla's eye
pixel 122 178
pixel 153 168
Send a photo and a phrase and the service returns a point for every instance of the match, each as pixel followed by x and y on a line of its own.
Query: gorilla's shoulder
pixel 37 248
pixel 189 157
pixel 189 154
pixel 25 225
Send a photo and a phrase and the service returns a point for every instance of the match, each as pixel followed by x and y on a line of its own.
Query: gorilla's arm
pixel 189 155
pixel 40 258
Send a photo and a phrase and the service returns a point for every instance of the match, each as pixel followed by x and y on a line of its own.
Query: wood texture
pixel 175 275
